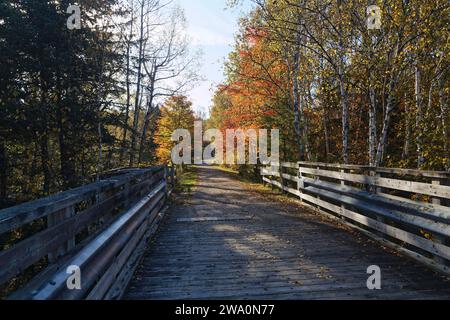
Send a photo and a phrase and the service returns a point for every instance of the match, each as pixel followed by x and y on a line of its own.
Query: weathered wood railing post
pixel 379 202
pixel 377 176
pixel 374 189
pixel 166 179
pixel 318 196
pixel 172 176
pixel 343 206
pixel 55 219
pixel 126 189
pixel 438 238
pixel 73 230
pixel 261 172
pixel 272 167
pixel 100 197
pixel 282 180
pixel 300 182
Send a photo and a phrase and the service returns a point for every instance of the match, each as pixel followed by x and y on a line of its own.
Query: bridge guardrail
pixel 102 228
pixel 408 210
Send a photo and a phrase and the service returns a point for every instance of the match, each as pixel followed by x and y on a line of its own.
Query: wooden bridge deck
pixel 229 243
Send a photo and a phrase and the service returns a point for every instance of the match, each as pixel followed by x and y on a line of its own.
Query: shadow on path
pixel 229 243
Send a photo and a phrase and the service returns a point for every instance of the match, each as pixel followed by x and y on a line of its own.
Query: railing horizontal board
pixel 398 171
pixel 289 177
pixel 109 219
pixel 17 216
pixel 107 244
pixel 117 290
pixel 427 210
pixel 107 280
pixel 403 185
pixel 369 197
pixel 437 227
pixel 291 165
pixel 402 235
pixel 109 275
pixel 266 172
pixel 32 249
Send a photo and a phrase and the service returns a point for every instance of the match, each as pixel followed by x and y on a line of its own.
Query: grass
pixel 185 185
pixel 189 179
pixel 258 187
pixel 227 170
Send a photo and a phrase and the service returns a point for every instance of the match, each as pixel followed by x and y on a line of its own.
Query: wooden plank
pixel 430 211
pixel 130 221
pixel 110 274
pixel 14 217
pixel 119 286
pixel 30 250
pixel 55 219
pixel 416 173
pixel 289 177
pixel 334 166
pixel 409 186
pixel 266 172
pixel 209 219
pixel 412 239
pixel 408 253
pixel 436 227
pixel 291 165
pixel 398 171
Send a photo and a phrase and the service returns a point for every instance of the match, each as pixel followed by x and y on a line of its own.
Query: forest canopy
pixel 338 90
pixel 75 102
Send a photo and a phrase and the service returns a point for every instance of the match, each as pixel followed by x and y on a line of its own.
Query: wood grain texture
pixel 282 252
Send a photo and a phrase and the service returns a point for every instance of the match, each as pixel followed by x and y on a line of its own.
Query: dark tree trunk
pixel 146 125
pixel 45 160
pixel 67 159
pixel 138 88
pixel 3 170
pixel 128 85
pixel 68 172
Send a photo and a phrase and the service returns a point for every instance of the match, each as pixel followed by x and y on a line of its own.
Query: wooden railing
pixel 101 228
pixel 408 210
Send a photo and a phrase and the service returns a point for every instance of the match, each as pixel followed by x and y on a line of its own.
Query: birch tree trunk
pixel 343 91
pixel 444 113
pixel 394 76
pixel 408 131
pixel 296 91
pixel 128 87
pixel 138 86
pixel 372 108
pixel 419 116
pixel 327 136
pixel 147 115
pixel 372 125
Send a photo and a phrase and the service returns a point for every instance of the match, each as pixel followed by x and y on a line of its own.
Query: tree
pixel 176 113
pixel 345 87
pixel 56 84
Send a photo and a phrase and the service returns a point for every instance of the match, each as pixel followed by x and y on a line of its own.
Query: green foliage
pixel 313 70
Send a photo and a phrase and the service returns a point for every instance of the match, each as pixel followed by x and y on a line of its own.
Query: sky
pixel 211 27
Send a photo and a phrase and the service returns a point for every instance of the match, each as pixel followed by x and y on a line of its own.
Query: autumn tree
pixel 352 94
pixel 176 113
